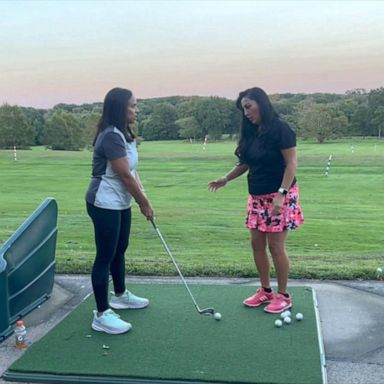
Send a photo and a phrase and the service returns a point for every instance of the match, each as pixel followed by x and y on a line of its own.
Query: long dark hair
pixel 115 113
pixel 248 131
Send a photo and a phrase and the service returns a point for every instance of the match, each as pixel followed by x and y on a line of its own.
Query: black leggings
pixel 112 228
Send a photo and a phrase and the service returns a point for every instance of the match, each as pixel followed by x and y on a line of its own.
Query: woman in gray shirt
pixel 114 184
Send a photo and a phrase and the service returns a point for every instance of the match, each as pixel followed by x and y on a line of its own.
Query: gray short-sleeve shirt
pixel 106 190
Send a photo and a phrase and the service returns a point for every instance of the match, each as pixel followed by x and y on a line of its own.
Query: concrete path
pixel 351 314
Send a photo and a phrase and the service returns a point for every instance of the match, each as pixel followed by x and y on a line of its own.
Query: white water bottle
pixel 21 335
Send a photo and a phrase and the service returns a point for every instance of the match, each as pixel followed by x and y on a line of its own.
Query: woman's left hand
pixel 277 205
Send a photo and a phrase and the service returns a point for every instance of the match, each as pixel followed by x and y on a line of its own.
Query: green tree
pixel 378 121
pixel 358 95
pixel 361 124
pixel 14 128
pixel 348 106
pixel 376 105
pixel 189 128
pixel 285 107
pixel 234 119
pixel 89 121
pixel 35 118
pixel 376 98
pixel 147 131
pixel 161 123
pixel 218 117
pixel 214 115
pixel 63 131
pixel 322 121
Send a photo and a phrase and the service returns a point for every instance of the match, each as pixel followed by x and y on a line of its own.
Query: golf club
pixel 204 311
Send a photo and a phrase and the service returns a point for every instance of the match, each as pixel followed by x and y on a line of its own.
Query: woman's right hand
pixel 146 210
pixel 213 186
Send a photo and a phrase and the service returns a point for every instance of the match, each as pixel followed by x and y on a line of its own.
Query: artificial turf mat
pixel 171 342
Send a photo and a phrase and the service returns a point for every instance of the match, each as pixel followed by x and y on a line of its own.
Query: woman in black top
pixel 267 150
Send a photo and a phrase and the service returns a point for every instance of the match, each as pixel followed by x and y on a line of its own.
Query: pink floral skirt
pixel 259 214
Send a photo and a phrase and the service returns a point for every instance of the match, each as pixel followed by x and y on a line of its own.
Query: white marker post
pixel 14 153
pixel 328 166
pixel 205 142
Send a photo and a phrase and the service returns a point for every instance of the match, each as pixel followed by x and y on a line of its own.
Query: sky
pixel 75 51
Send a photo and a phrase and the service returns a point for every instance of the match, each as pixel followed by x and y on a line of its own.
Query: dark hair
pixel 248 132
pixel 115 113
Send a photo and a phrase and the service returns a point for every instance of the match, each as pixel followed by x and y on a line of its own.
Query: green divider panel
pixel 28 260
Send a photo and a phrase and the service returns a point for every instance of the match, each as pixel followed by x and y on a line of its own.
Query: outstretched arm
pixel 235 172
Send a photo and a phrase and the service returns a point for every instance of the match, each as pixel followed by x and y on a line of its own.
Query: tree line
pixel 319 116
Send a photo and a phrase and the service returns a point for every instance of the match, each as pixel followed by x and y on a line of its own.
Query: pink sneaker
pixel 260 297
pixel 279 304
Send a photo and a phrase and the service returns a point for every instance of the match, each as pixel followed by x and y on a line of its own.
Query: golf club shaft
pixel 174 263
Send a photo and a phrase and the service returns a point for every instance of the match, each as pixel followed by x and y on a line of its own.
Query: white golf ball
pixel 285 314
pixel 299 316
pixel 217 316
pixel 379 270
pixel 287 320
pixel 278 323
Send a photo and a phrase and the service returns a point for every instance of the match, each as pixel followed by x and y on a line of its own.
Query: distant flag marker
pixel 205 142
pixel 328 165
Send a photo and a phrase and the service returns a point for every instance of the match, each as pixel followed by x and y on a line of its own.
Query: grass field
pixel 341 238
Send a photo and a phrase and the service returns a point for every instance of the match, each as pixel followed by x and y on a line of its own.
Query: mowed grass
pixel 344 216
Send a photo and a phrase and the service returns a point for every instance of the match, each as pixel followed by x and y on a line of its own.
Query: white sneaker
pixel 110 322
pixel 127 300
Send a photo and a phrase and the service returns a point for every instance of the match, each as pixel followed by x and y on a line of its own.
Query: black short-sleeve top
pixel 265 160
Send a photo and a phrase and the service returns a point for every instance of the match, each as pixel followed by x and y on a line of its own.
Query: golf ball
pixel 217 316
pixel 287 320
pixel 299 316
pixel 285 314
pixel 278 323
pixel 379 270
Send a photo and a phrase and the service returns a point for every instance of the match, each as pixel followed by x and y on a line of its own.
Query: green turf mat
pixel 171 342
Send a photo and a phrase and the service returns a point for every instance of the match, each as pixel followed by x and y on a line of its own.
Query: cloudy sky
pixel 75 51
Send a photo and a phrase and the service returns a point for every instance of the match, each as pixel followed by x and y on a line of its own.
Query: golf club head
pixel 207 311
